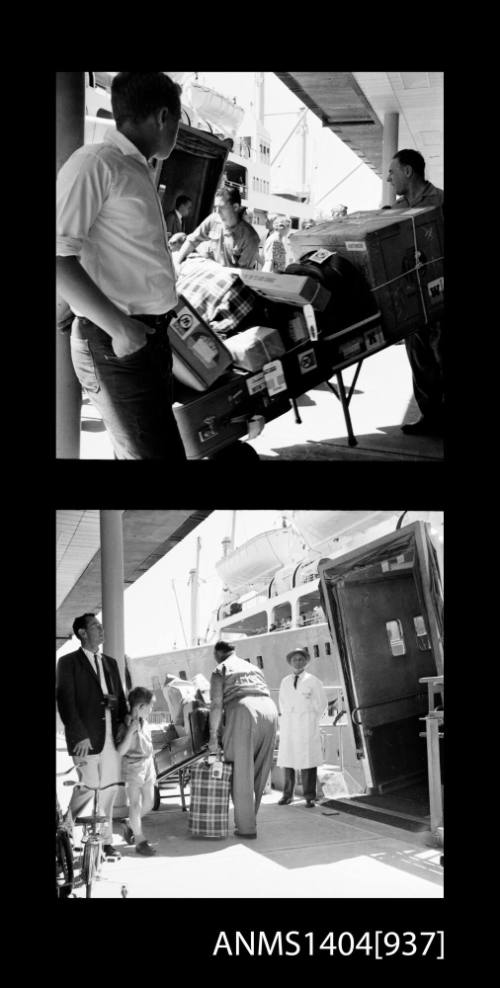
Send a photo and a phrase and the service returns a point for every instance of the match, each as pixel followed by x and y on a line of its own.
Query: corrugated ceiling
pixel 352 105
pixel 147 537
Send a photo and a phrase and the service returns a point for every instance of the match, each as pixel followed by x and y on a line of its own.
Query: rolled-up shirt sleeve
pixel 201 233
pixel 83 183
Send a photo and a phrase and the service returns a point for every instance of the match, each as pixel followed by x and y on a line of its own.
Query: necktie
pixel 295 681
pixel 97 667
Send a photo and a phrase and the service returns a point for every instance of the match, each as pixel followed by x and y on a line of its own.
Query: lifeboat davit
pixel 256 562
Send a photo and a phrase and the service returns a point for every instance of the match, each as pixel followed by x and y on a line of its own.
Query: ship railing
pixel 159 717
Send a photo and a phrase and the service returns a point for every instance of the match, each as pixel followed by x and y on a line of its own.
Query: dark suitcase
pixel 351 298
pixel 200 728
pixel 209 800
pixel 209 422
pixel 305 366
pixel 173 753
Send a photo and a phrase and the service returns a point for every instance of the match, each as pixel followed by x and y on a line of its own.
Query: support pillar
pixel 389 148
pixel 112 582
pixel 70 109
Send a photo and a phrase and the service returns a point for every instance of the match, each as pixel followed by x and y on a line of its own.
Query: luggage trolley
pixel 176 757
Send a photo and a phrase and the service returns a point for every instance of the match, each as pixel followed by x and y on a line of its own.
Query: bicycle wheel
pixel 64 865
pixel 90 865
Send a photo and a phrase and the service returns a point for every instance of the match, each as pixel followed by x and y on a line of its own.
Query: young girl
pixel 138 771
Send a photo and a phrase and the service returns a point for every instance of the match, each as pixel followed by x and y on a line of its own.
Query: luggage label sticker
pixel 275 378
pixel 349 349
pixel 310 319
pixel 256 383
pixel 435 289
pixel 374 337
pixel 307 361
pixel 205 348
pixel 208 430
pixel 355 245
pixel 321 255
pixel 184 322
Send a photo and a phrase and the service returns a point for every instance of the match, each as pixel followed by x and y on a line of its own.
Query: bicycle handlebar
pixel 70 769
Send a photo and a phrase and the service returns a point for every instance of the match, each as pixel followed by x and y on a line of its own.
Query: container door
pixel 193 169
pixel 387 625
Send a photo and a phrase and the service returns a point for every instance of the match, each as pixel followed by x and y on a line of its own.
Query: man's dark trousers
pixel 308 782
pixel 425 353
pixel 133 393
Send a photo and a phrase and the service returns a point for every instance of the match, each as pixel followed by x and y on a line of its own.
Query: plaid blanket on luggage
pixel 218 295
pixel 209 801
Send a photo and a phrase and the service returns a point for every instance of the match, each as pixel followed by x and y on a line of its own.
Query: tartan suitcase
pixel 209 800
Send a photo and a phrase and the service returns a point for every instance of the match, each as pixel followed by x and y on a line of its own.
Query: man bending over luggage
pixel 233 242
pixel 239 691
pixel 115 269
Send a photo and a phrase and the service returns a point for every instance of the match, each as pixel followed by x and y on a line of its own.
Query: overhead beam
pixel 147 537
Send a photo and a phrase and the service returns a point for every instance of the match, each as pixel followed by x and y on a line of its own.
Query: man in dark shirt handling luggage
pixel 115 269
pixel 424 347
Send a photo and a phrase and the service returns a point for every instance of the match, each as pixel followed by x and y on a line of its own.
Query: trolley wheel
pixel 236 453
pixel 157 798
pixel 64 865
pixel 90 866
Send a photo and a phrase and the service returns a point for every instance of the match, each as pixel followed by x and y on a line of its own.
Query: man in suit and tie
pixel 92 704
pixel 175 220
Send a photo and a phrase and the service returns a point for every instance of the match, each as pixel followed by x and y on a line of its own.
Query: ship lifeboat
pixel 216 110
pixel 181 78
pixel 259 559
pixel 321 527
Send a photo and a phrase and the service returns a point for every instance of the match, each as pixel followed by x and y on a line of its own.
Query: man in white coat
pixel 302 700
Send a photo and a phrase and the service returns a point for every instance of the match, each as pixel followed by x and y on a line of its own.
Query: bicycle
pixel 65 870
pixel 91 837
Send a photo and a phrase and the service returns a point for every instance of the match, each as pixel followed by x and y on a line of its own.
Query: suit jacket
pixel 80 699
pixel 174 224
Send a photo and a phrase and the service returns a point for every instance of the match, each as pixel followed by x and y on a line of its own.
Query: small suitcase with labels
pixel 209 799
pixel 199 356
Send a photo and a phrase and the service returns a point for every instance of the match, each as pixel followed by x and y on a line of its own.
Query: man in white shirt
pixel 302 700
pixel 115 270
pixel 92 705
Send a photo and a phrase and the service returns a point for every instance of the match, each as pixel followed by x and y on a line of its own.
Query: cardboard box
pixel 401 254
pixel 290 288
pixel 255 347
pixel 199 357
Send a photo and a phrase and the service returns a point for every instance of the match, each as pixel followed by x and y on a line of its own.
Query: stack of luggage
pixel 246 342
